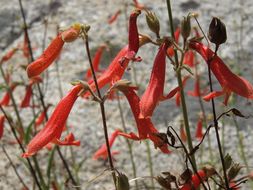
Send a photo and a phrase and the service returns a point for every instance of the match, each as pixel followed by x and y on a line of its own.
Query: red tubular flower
pixel 196 91
pixel 195 182
pixel 146 129
pixel 183 134
pixel 138 5
pixel 54 127
pixel 199 132
pixel 41 118
pixel 229 81
pixel 189 58
pixel 178 94
pixel 25 48
pixel 52 51
pixel 26 101
pixel 8 55
pixel 2 118
pixel 154 92
pixel 170 50
pixel 133 37
pixel 114 17
pixel 96 61
pixel 102 151
pixel 6 98
pixel 119 64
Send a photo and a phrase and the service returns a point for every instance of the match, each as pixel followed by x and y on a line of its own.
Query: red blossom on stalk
pixel 194 182
pixel 196 92
pixel 96 61
pixel 178 93
pixel 26 100
pixel 189 58
pixel 52 131
pixel 8 55
pixel 119 64
pixel 53 50
pixel 41 117
pixel 6 98
pixel 170 50
pixel 133 37
pixel 102 151
pixel 154 92
pixel 2 118
pixel 183 136
pixel 229 81
pixel 114 17
pixel 199 129
pixel 146 129
pixel 25 47
pixel 138 5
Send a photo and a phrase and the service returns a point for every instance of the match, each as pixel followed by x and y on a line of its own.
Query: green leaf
pixel 188 69
pixel 234 170
pixel 228 161
pixel 29 129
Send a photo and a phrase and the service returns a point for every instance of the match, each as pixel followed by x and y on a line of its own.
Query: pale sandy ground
pixel 85 116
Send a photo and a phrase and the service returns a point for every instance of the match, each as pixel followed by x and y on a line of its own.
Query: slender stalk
pixel 102 108
pixel 216 126
pixel 12 99
pixel 242 148
pixel 21 124
pixel 41 94
pixel 14 168
pixel 129 145
pixel 150 164
pixel 190 159
pixel 204 115
pixel 179 80
pixel 21 147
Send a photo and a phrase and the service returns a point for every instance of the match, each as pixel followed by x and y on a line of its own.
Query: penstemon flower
pixel 199 131
pixel 229 81
pixel 96 61
pixel 154 92
pixel 53 51
pixel 26 100
pixel 119 64
pixel 146 129
pixel 114 17
pixel 102 151
pixel 2 118
pixel 51 133
pixel 6 98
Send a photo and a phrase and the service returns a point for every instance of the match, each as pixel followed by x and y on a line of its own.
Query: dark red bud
pixel 217 32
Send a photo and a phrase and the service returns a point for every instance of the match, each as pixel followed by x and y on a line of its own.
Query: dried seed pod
pixel 122 182
pixel 217 32
pixel 186 27
pixel 153 22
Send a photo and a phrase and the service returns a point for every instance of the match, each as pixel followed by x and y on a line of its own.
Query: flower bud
pixel 122 182
pixel 153 22
pixel 186 27
pixel 164 182
pixel 217 32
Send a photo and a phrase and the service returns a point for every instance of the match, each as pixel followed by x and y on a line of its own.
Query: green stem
pixel 102 108
pixel 150 164
pixel 179 80
pixel 242 148
pixel 204 116
pixel 37 167
pixel 21 147
pixel 21 125
pixel 217 128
